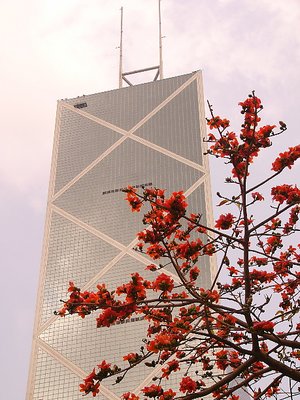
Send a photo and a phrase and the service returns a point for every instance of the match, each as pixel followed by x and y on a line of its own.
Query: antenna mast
pixel 121 52
pixel 123 76
pixel 161 75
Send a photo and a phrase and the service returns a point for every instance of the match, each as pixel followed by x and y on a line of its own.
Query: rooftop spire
pixel 123 76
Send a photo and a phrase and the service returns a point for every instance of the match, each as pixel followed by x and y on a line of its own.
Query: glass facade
pixel 149 134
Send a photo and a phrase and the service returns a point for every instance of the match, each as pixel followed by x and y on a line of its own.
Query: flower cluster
pixel 92 381
pixel 217 122
pixel 286 159
pixel 286 193
pixel 133 200
pixel 263 326
pixel 219 337
pixel 241 151
pixel 225 221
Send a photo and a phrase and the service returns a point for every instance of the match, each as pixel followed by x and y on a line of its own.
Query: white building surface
pixel 145 135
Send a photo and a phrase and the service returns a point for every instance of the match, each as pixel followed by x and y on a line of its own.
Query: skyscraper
pixel 145 135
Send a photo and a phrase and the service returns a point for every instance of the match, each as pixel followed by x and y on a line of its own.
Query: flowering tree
pixel 242 332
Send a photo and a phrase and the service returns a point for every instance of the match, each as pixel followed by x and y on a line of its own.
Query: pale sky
pixel 53 49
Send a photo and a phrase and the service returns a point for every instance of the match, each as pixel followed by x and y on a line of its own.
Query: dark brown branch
pixel 228 378
pixel 271 217
pixel 279 366
pixel 263 182
pixel 275 381
pixel 245 381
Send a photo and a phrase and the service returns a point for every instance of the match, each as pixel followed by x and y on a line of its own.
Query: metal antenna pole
pixel 121 52
pixel 158 68
pixel 161 75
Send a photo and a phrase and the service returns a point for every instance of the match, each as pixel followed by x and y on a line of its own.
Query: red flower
pixel 283 266
pixel 155 251
pixel 134 290
pixel 130 396
pixel 272 390
pixel 172 366
pixel 239 169
pixel 234 397
pixel 262 276
pixel 263 326
pixel 232 270
pixel 168 395
pixel 151 267
pixel 212 295
pixel 257 196
pixel 209 249
pixel 211 137
pixel 225 221
pixel 273 243
pixel 164 283
pixel 222 359
pixel 72 287
pixel 133 199
pixel 259 261
pixel 107 318
pixel 288 193
pixel 104 366
pixel 234 359
pixel 206 365
pixel 217 122
pixel 286 159
pixel 189 250
pixel 225 321
pixel 163 341
pixel 226 146
pixel 132 358
pixel 152 391
pixel 176 204
pixel 257 366
pixel 194 273
pixel 188 385
pixel 89 386
pixel 296 354
pixel 251 104
pixel 262 136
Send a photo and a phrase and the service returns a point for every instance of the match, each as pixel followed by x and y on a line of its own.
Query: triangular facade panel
pixel 176 126
pixel 91 345
pixel 50 370
pixel 73 255
pixel 127 106
pixel 81 141
pixel 96 198
pixel 128 265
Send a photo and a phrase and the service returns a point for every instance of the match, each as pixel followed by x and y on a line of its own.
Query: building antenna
pixel 161 75
pixel 121 52
pixel 123 76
